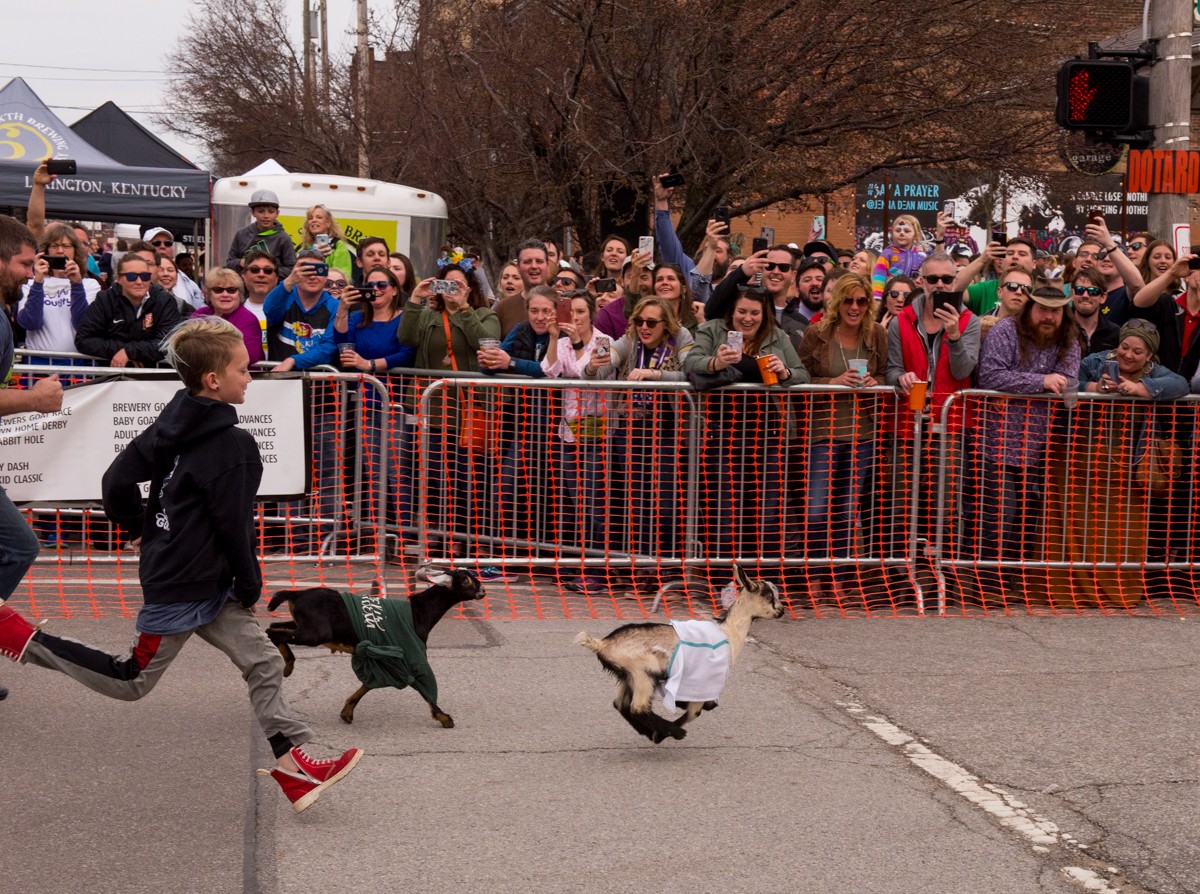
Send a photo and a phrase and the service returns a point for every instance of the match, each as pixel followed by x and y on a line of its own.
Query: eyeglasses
pixel 1094 291
pixel 649 324
pixel 946 280
pixel 771 265
pixel 856 300
pixel 896 293
pixel 224 290
pixel 1136 246
pixel 1018 287
pixel 1086 255
pixel 378 284
pixel 1137 323
pixel 262 270
pixel 134 277
pixel 65 246
pixel 562 281
pixel 164 243
pixel 335 285
pixel 820 259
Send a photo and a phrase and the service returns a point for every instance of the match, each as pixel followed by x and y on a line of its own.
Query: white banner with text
pixel 62 457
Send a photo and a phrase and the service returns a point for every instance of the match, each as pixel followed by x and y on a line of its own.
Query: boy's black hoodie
pixel 197 527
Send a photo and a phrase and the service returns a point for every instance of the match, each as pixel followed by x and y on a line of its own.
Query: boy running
pixel 199 567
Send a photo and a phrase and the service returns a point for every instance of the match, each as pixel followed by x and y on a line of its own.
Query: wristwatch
pixel 1105 252
pixel 512 363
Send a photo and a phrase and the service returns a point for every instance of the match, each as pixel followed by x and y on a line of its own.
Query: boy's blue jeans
pixel 18 547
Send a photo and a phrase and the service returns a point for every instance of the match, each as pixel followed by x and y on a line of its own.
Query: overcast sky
pixel 78 54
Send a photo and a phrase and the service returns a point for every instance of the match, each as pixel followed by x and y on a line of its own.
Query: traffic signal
pixel 1103 96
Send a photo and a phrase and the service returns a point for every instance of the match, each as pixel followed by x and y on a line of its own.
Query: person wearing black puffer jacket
pixel 127 323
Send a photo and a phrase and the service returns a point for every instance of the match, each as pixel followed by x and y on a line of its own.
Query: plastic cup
pixel 489 344
pixel 346 347
pixel 859 365
pixel 768 376
pixel 1070 394
pixel 916 396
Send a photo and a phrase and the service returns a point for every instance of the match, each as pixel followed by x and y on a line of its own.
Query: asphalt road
pixel 809 777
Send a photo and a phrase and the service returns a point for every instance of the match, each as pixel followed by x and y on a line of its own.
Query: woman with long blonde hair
pixel 322 232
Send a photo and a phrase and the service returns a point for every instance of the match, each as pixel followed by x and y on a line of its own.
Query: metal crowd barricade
pixel 327 537
pixel 1049 508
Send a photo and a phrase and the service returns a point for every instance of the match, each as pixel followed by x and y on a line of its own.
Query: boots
pixel 15 633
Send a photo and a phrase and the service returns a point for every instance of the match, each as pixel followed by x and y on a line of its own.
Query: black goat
pixel 320 618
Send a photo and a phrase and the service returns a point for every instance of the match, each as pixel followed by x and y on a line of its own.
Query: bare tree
pixel 526 114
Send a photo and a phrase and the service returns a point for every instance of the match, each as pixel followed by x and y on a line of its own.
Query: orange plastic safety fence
pixel 614 500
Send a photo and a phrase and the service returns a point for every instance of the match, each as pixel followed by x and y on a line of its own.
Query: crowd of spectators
pixel 926 313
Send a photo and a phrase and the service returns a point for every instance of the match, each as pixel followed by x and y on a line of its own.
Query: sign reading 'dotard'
pixel 62 456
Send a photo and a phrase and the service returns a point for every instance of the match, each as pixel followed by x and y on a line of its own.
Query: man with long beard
pixel 18 544
pixel 1037 352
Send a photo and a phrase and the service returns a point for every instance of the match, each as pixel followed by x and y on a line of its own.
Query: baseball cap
pixel 149 235
pixel 264 197
pixel 819 246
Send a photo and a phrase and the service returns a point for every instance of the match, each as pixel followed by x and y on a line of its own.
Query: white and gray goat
pixel 639 656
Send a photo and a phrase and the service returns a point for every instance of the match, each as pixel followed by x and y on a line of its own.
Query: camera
pixel 64 166
pixel 443 287
pixel 57 262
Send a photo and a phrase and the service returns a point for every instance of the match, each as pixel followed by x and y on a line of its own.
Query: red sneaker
pixel 300 789
pixel 15 633
pixel 328 770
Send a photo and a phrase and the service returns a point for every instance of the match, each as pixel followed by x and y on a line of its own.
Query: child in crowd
pixel 199 569
pixel 265 234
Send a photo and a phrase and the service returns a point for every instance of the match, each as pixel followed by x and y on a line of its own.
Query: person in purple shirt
pixel 225 297
pixel 1034 353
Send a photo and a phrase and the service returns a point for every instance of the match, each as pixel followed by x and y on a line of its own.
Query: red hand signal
pixel 1079 96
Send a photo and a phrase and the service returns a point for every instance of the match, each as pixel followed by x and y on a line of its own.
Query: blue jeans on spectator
pixel 836 472
pixel 18 547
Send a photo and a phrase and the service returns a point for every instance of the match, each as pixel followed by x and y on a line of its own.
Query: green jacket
pixel 389 652
pixel 713 333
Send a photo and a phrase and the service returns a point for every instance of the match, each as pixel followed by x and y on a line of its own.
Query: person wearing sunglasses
pixel 1088 292
pixel 935 341
pixel 127 323
pixel 1176 316
pixel 982 297
pixel 1139 243
pixel 1013 289
pixel 1101 250
pixel 225 297
pixel 836 349
pixel 567 281
pixel 645 455
pixel 898 294
pixel 774 271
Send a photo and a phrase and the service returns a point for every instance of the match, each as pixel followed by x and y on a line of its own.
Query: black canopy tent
pixel 102 189
pixel 118 135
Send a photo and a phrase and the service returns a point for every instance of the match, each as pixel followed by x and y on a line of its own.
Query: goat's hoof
pixel 347 716
pixel 288 668
pixel 708 706
pixel 445 720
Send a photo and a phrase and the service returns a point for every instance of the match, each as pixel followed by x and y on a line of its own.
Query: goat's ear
pixel 438 577
pixel 740 578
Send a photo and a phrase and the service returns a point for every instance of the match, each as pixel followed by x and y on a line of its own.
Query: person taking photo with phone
pixel 54 300
pixel 1012 254
pixel 1100 250
pixel 1176 316
pixel 322 232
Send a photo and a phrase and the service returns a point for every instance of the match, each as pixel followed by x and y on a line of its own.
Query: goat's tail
pixel 588 641
pixel 279 598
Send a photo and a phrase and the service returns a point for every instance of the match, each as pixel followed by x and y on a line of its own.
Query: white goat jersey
pixel 699 665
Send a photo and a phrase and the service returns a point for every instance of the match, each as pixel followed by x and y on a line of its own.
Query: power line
pixel 91 80
pixel 109 70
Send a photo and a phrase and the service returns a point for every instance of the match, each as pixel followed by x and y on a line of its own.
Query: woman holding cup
pixel 645 452
pixel 744 477
pixel 845 347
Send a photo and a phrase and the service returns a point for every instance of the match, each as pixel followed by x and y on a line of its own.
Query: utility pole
pixel 364 81
pixel 325 58
pixel 310 69
pixel 1171 100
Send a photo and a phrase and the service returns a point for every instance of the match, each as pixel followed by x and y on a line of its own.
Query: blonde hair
pixel 201 345
pixel 918 233
pixel 671 322
pixel 306 237
pixel 224 276
pixel 833 311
